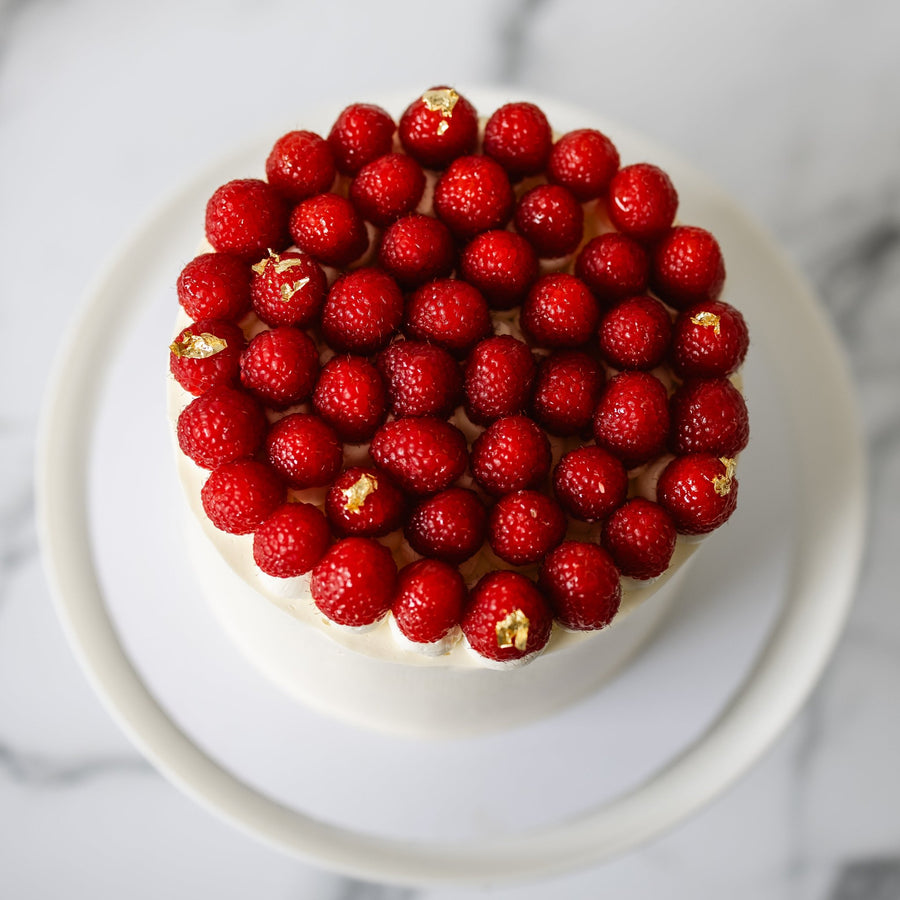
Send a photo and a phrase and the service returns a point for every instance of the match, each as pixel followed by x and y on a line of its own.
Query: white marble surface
pixel 104 107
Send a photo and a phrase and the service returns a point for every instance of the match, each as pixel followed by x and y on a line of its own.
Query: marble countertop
pixel 104 107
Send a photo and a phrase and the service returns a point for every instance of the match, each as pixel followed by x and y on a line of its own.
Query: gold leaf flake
pixel 513 631
pixel 282 265
pixel 722 483
pixel 707 320
pixel 355 495
pixel 443 125
pixel 288 290
pixel 260 267
pixel 442 101
pixel 198 346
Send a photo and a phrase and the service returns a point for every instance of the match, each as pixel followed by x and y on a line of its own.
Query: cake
pixel 455 401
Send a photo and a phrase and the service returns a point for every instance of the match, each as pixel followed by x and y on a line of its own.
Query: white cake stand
pixel 759 616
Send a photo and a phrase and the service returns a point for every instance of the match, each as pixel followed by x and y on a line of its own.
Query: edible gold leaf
pixel 198 346
pixel 443 125
pixel 707 320
pixel 722 483
pixel 355 495
pixel 442 101
pixel 282 265
pixel 260 267
pixel 513 631
pixel 288 290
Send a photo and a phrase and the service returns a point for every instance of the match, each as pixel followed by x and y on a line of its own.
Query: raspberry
pixel 416 249
pixel 300 165
pixel 450 526
pixel 329 228
pixel 429 602
pixel 304 450
pixel 699 491
pixel 560 311
pixel 280 367
pixel 387 188
pixel 448 312
pixel 362 132
pixel 354 582
pixel 518 136
pixel 205 354
pixel 506 618
pixel 583 161
pixel 567 390
pixel 421 379
pixel 632 418
pixel 215 286
pixel 709 416
pixel 709 339
pixel 687 267
pixel 473 195
pixel 365 503
pixel 221 425
pixel 288 289
pixel 635 334
pixel 439 126
pixel 424 455
pixel 581 583
pixel 590 483
pixel 500 264
pixel 511 455
pixel 291 541
pixel 640 537
pixel 239 495
pixel 246 217
pixel 642 202
pixel 350 397
pixel 551 219
pixel 498 378
pixel 614 267
pixel 524 526
pixel 363 309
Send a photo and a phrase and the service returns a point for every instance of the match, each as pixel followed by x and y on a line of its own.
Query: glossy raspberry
pixel 304 450
pixel 518 136
pixel 473 195
pixel 500 264
pixel 640 537
pixel 351 398
pixel 363 310
pixel 448 312
pixel 288 289
pixel 364 502
pixel 699 491
pixel 498 379
pixel 513 454
pixel 239 495
pixel 635 334
pixel 451 526
pixel 205 354
pixel 590 483
pixel 429 601
pixel 329 228
pixel 291 541
pixel 387 188
pixel 642 202
pixel 567 390
pixel 551 219
pixel 584 162
pixel 422 379
pixel 614 267
pixel 524 526
pixel 215 286
pixel 581 583
pixel 560 311
pixel 280 367
pixel 709 415
pixel 416 249
pixel 300 165
pixel 438 127
pixel 361 133
pixel 246 217
pixel 709 339
pixel 424 455
pixel 687 267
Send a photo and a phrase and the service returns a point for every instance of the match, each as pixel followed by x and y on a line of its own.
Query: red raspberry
pixel 511 455
pixel 640 537
pixel 280 367
pixel 451 526
pixel 632 418
pixel 221 425
pixel 291 541
pixel 590 483
pixel 614 267
pixel 304 450
pixel 502 265
pixel 422 379
pixel 448 312
pixel 506 618
pixel 560 311
pixel 473 195
pixel 687 267
pixel 429 601
pixel 524 526
pixel 698 491
pixel 709 416
pixel 581 583
pixel 518 136
pixel 246 217
pixel 363 309
pixel 351 398
pixel 498 379
pixel 551 219
pixel 215 286
pixel 364 502
pixel 416 249
pixel 583 161
pixel 288 289
pixel 354 582
pixel 300 165
pixel 567 390
pixel 642 202
pixel 387 188
pixel 205 354
pixel 439 126
pixel 240 495
pixel 424 455
pixel 709 339
pixel 362 132
pixel 329 228
pixel 635 334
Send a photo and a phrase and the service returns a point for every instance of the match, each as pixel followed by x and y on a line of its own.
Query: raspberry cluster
pixel 478 338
